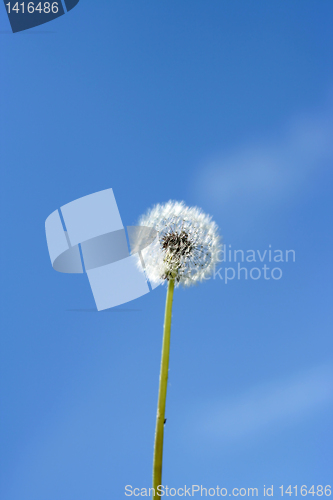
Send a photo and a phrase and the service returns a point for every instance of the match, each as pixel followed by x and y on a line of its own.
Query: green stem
pixel 159 432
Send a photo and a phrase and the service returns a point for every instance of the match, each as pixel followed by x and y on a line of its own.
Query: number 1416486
pixel 30 8
pixel 304 491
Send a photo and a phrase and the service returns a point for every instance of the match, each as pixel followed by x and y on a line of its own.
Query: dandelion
pixel 184 252
pixel 187 245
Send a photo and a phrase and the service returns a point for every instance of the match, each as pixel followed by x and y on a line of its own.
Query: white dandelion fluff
pixel 187 245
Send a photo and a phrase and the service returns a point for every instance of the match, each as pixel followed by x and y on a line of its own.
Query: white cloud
pixel 267 173
pixel 266 407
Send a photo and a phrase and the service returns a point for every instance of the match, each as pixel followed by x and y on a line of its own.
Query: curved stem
pixel 159 432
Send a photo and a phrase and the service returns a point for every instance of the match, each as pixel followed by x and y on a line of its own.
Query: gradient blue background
pixel 223 104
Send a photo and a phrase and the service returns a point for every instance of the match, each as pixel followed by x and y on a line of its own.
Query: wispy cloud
pixel 264 174
pixel 266 407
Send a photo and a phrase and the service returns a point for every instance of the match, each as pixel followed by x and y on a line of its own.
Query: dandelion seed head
pixel 187 245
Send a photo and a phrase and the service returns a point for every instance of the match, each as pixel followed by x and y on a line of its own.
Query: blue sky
pixel 225 105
